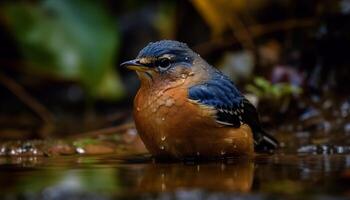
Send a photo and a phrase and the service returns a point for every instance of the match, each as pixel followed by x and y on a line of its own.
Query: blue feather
pixel 220 93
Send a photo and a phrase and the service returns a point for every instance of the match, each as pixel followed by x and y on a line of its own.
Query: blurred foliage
pixel 165 20
pixel 218 14
pixel 62 180
pixel 239 65
pixel 106 180
pixel 266 90
pixel 225 15
pixel 73 40
pixel 31 182
pixel 84 141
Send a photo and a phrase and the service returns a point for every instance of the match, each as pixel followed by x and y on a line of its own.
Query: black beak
pixel 134 65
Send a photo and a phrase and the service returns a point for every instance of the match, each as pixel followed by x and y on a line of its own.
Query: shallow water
pixel 110 177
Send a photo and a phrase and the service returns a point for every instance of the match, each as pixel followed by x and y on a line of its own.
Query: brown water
pixel 138 177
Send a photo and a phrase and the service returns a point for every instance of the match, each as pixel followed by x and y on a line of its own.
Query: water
pixel 319 176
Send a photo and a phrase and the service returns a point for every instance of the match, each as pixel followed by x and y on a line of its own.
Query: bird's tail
pixel 265 142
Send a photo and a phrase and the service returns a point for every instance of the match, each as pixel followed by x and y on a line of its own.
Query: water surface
pixel 318 176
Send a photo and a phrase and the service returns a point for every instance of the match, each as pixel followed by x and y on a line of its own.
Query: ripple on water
pixel 324 149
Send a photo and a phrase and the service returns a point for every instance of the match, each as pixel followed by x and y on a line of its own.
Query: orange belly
pixel 171 125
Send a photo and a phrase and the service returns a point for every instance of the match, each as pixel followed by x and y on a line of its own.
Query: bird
pixel 186 108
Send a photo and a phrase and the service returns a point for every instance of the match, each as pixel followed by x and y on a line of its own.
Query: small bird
pixel 187 108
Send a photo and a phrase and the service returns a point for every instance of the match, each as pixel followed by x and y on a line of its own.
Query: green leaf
pixel 265 89
pixel 74 40
pixel 85 141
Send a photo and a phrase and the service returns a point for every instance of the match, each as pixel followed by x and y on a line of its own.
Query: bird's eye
pixel 163 63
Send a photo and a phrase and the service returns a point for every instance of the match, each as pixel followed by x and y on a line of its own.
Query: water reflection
pixel 237 177
pixel 106 177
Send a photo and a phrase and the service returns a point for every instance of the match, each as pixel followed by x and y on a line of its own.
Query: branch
pixel 27 99
pixel 255 31
pixel 104 131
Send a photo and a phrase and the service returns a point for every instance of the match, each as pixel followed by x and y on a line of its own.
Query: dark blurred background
pixel 60 71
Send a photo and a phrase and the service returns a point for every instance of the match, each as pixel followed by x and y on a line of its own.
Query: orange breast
pixel 172 125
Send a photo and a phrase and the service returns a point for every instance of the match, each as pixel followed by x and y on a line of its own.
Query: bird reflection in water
pixel 237 177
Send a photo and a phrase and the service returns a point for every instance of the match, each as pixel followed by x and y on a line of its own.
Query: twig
pixel 255 31
pixel 261 29
pixel 27 99
pixel 104 131
pixel 241 32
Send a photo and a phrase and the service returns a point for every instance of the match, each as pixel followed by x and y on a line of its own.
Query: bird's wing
pixel 231 106
pixel 221 94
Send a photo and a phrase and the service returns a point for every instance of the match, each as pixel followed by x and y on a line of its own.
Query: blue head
pixel 166 59
pixel 178 51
